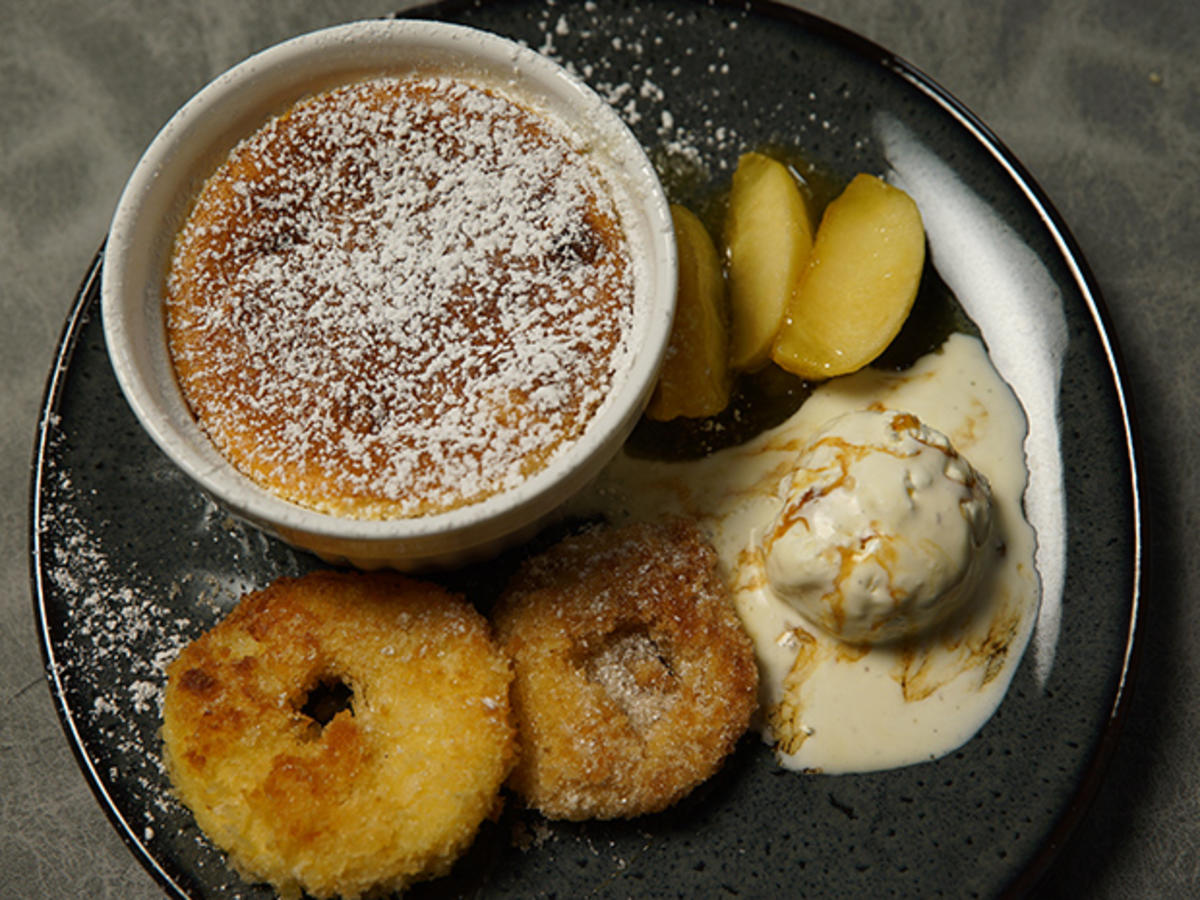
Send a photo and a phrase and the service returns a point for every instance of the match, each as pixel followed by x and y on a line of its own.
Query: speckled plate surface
pixel 130 562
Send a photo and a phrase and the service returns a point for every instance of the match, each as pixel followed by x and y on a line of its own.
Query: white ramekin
pixel 192 144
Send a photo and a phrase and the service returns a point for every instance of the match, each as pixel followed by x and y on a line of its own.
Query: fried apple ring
pixel 388 791
pixel 634 678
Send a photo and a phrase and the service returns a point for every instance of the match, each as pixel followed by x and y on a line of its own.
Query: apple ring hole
pixel 328 697
pixel 635 672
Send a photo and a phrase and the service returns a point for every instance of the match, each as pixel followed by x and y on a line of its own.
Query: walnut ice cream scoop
pixel 881 529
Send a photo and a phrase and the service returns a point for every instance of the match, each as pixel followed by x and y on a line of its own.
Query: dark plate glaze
pixel 129 560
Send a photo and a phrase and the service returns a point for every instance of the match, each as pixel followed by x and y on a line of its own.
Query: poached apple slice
pixel 694 381
pixel 768 237
pixel 859 284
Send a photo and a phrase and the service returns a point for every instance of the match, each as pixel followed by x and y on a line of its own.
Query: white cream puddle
pixel 831 706
pixel 1007 291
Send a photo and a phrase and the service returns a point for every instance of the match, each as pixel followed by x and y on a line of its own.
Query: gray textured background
pixel 1099 98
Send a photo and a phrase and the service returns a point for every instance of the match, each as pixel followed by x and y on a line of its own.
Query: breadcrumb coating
pixel 634 678
pixel 391 789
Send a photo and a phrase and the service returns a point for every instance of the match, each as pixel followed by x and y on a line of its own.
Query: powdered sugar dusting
pixel 115 620
pixel 402 296
pixel 632 76
pixel 112 624
pixel 117 623
pixel 683 89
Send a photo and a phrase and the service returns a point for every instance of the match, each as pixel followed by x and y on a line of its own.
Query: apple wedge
pixel 695 381
pixel 768 237
pixel 859 284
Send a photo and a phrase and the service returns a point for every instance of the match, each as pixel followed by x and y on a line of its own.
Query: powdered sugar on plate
pixel 111 624
pixel 111 621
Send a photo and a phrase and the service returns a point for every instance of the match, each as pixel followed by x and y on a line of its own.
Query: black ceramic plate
pixel 130 561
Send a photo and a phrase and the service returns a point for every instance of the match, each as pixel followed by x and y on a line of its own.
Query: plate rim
pixel 86 303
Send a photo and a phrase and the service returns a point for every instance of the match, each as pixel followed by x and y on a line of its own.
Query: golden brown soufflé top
pixel 399 297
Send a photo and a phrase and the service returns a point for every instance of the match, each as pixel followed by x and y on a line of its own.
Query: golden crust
pixel 634 678
pixel 388 792
pixel 328 312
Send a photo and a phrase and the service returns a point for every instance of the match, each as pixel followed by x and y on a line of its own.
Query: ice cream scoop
pixel 881 528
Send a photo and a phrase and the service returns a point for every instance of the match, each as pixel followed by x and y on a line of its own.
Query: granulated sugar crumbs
pixel 111 630
pixel 111 661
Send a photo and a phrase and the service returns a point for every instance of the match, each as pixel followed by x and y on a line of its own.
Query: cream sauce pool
pixel 826 705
